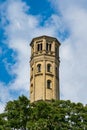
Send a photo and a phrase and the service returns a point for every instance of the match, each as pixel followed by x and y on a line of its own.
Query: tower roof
pixel 44 36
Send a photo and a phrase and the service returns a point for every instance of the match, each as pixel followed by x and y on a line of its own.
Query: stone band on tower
pixel 44 69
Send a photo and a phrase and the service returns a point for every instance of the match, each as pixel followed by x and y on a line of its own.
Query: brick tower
pixel 44 69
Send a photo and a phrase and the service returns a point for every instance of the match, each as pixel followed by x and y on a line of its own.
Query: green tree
pixel 43 115
pixel 57 115
pixel 17 113
pixel 3 122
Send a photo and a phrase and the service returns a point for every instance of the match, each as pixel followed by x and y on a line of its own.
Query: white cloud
pixel 73 52
pixel 4 96
pixel 2 107
pixel 4 92
pixel 21 29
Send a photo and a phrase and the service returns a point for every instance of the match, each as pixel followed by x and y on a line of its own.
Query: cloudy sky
pixel 22 20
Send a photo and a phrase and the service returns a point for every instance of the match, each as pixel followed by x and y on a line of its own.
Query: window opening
pixel 48 68
pixel 48 84
pixel 39 67
pixel 39 47
pixel 48 47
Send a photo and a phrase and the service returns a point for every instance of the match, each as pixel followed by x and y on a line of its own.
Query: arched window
pixel 39 68
pixel 48 67
pixel 48 84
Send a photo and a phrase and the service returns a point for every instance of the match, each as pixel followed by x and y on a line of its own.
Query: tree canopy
pixel 43 115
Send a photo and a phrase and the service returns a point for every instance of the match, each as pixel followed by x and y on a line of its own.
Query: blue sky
pixel 20 21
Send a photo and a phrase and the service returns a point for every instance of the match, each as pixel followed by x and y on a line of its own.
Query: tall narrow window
pixel 39 68
pixel 48 68
pixel 48 84
pixel 39 47
pixel 48 47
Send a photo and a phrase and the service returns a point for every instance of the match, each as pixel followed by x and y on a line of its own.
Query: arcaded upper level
pixel 45 45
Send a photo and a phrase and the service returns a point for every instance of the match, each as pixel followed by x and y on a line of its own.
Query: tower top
pixel 44 37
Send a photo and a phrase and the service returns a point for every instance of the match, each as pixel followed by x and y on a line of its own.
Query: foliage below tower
pixel 20 114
